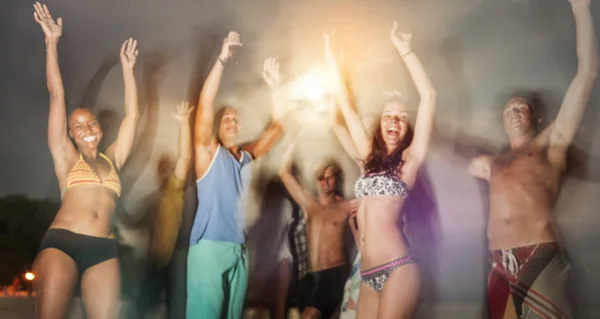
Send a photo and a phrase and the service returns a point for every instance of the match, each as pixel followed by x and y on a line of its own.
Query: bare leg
pixel 56 276
pixel 368 302
pixel 283 282
pixel 101 290
pixel 400 295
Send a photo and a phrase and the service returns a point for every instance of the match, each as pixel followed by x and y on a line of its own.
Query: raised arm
pixel 273 133
pixel 61 148
pixel 427 94
pixel 341 132
pixel 185 140
pixel 343 136
pixel 578 94
pixel 358 133
pixel 121 148
pixel 204 140
pixel 298 193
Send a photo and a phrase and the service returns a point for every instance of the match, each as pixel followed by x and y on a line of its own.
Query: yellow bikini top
pixel 82 174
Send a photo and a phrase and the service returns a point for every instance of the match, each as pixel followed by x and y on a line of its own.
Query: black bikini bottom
pixel 86 251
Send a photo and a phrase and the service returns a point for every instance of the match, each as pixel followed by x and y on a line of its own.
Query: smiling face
pixel 517 117
pixel 394 124
pixel 327 178
pixel 229 126
pixel 84 128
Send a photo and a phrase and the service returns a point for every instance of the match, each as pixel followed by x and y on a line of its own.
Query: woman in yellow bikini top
pixel 82 175
pixel 79 246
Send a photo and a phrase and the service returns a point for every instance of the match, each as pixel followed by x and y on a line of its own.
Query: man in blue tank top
pixel 217 262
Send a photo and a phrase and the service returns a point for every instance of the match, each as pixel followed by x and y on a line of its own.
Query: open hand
pixel 183 111
pixel 271 73
pixel 401 39
pixel 129 53
pixel 232 40
pixel 52 29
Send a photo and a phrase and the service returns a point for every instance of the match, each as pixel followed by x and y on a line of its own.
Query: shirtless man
pixel 326 216
pixel 528 274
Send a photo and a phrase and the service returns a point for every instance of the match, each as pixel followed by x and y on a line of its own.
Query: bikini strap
pixel 107 159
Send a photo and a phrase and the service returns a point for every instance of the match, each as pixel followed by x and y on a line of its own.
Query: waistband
pixel 512 259
pixel 342 267
pixel 523 252
pixel 408 259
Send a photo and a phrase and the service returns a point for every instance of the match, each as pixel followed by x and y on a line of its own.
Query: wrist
pixel 221 59
pixel 405 53
pixel 580 7
pixel 51 41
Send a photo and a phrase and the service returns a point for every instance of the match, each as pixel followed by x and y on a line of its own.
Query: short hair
pixel 337 172
pixel 534 102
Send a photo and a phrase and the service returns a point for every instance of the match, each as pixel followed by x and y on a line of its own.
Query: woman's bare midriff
pixel 380 229
pixel 86 210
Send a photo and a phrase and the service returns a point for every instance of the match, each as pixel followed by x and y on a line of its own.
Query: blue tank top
pixel 220 214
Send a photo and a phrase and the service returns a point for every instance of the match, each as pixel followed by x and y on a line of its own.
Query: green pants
pixel 217 278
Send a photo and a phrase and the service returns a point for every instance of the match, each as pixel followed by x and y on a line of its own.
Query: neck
pixel 91 153
pixel 230 145
pixel 519 141
pixel 326 199
pixel 390 149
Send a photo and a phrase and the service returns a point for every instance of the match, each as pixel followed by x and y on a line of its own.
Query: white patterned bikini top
pixel 380 184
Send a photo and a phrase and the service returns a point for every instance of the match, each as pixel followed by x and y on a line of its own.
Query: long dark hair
pixel 379 160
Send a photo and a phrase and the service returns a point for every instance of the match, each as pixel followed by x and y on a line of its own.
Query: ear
pixel 70 134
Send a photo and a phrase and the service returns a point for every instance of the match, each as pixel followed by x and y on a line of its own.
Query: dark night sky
pixel 474 50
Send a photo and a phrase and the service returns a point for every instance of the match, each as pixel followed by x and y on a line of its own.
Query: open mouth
pixel 393 132
pixel 89 139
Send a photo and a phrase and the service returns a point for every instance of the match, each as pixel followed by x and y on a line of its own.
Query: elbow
pixel 133 116
pixel 588 71
pixel 430 95
pixel 588 74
